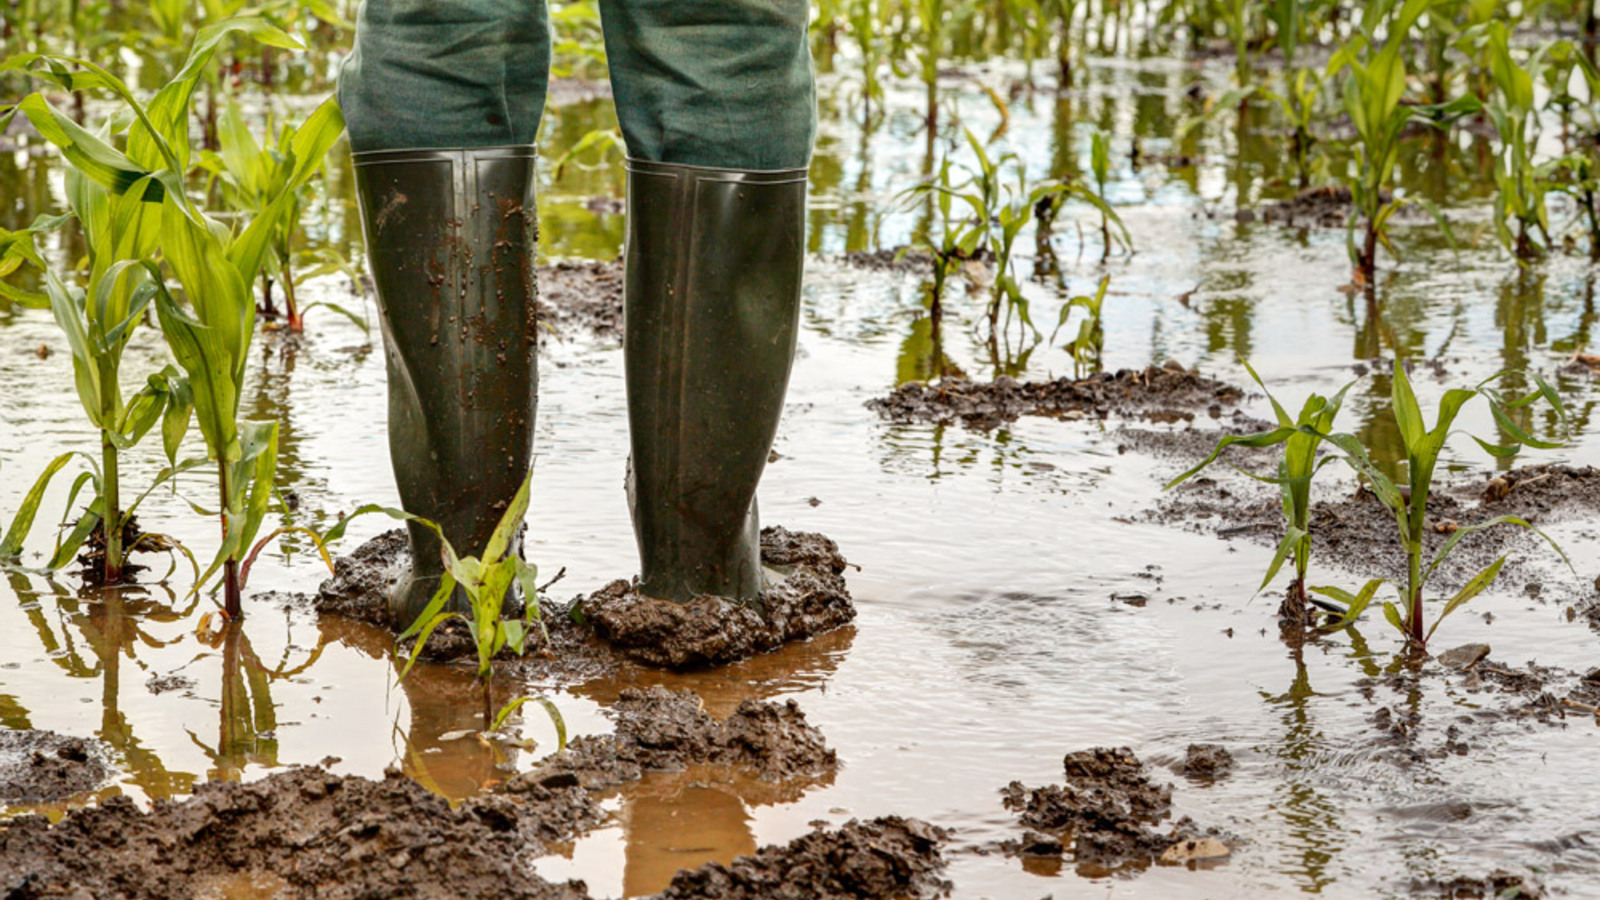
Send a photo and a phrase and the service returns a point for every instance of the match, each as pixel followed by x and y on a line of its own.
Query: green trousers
pixel 722 83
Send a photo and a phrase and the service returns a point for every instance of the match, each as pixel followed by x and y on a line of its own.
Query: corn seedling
pixel 486 582
pixel 1409 505
pixel 962 233
pixel 256 178
pixel 1519 206
pixel 1300 438
pixel 1373 90
pixel 1091 338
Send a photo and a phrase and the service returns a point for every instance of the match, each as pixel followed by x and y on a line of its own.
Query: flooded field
pixel 1024 591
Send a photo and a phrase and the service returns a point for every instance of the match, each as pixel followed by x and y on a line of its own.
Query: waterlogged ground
pixel 1018 596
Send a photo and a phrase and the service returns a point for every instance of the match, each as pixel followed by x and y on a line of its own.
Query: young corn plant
pixel 1521 183
pixel 1091 338
pixel 1373 90
pixel 256 176
pixel 486 582
pixel 962 233
pixel 1300 437
pixel 1408 504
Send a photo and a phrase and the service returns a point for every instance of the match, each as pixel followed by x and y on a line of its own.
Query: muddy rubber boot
pixel 712 308
pixel 451 237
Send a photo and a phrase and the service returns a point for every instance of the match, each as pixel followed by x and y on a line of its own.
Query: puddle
pixel 994 633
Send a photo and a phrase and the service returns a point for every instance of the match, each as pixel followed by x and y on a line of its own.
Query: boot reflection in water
pixel 717 107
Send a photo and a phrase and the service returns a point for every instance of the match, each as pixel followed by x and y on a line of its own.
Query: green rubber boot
pixel 712 311
pixel 450 237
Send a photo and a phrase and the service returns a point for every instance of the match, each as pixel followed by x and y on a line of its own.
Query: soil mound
pixel 885 858
pixel 1165 393
pixel 46 767
pixel 711 631
pixel 1106 811
pixel 1206 763
pixel 582 296
pixel 662 730
pixel 1320 207
pixel 301 833
pixel 890 259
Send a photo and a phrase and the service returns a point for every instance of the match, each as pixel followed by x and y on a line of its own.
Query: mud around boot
pixel 811 598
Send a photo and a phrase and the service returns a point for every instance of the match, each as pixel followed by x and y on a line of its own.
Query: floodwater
pixel 988 643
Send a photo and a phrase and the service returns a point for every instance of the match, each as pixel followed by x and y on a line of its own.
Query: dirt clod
pixel 708 630
pixel 46 767
pixel 1107 810
pixel 1164 393
pixel 890 857
pixel 1464 656
pixel 582 296
pixel 663 730
pixel 1206 763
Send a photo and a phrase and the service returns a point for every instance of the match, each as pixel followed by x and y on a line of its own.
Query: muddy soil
pixel 45 767
pixel 1107 811
pixel 300 833
pixel 708 631
pixel 1205 763
pixel 886 857
pixel 1166 393
pixel 890 259
pixel 1318 207
pixel 594 635
pixel 662 730
pixel 1494 886
pixel 582 297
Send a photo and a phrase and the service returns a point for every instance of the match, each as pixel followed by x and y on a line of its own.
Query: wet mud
pixel 300 833
pixel 1108 812
pixel 890 259
pixel 1205 763
pixel 658 730
pixel 581 297
pixel 39 766
pixel 883 858
pixel 1497 885
pixel 811 599
pixel 1318 207
pixel 1166 393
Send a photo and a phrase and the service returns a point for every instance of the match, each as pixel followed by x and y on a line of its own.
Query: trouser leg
pixel 431 90
pixel 716 104
pixel 446 73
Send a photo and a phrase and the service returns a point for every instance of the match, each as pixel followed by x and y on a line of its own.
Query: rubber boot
pixel 713 264
pixel 451 238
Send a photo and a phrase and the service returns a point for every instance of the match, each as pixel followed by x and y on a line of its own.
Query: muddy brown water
pixel 1015 603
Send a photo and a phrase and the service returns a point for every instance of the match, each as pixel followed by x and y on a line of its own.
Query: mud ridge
pixel 1107 812
pixel 886 857
pixel 39 766
pixel 301 833
pixel 1167 393
pixel 662 730
pixel 890 259
pixel 712 631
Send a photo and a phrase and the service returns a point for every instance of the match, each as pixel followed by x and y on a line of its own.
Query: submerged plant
pixel 1373 90
pixel 486 581
pixel 1300 436
pixel 1091 338
pixel 1408 504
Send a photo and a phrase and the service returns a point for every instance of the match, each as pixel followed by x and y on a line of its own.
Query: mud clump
pixel 712 631
pixel 890 857
pixel 582 295
pixel 303 833
pixel 1206 763
pixel 662 730
pixel 1496 884
pixel 1106 811
pixel 46 767
pixel 1166 393
pixel 360 581
pixel 1319 207
pixel 890 259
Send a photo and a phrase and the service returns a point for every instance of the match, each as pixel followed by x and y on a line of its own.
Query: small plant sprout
pixel 486 582
pixel 1091 338
pixel 958 239
pixel 1300 437
pixel 1373 90
pixel 1409 505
